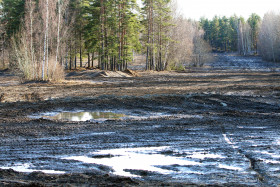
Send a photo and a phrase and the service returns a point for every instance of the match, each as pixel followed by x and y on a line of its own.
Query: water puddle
pixel 26 168
pixel 86 116
pixel 101 116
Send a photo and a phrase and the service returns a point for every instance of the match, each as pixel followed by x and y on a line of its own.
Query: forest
pixel 42 38
pixel 132 93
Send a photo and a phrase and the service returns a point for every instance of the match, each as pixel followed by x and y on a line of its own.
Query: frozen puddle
pixel 147 159
pixel 131 161
pixel 26 168
pixel 101 116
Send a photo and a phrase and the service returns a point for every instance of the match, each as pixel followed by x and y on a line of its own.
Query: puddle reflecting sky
pixel 101 116
pixel 86 116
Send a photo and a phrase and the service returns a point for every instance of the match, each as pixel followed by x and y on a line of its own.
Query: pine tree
pixel 13 12
pixel 157 22
pixel 118 33
pixel 254 22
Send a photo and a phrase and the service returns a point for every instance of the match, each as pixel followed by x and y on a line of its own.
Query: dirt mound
pixel 127 73
pixel 89 74
pixel 131 72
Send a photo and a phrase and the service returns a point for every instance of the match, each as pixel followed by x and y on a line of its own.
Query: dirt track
pixel 214 126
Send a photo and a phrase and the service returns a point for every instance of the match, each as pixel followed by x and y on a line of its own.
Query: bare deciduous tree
pixel 188 47
pixel 244 38
pixel 269 37
pixel 43 34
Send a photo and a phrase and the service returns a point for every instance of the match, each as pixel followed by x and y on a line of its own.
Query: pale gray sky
pixel 209 8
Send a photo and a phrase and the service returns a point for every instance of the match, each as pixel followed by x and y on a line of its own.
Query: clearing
pixel 217 125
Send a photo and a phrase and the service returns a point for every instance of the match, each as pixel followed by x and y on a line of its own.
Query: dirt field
pixel 217 125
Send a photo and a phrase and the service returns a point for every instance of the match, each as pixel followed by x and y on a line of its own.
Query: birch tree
pixel 269 37
pixel 37 47
pixel 244 38
pixel 45 57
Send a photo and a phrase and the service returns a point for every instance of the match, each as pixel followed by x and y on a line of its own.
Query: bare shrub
pixel 22 57
pixel 39 47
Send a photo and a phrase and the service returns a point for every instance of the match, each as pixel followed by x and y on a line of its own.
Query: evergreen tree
pixel 13 12
pixel 229 34
pixel 157 23
pixel 254 22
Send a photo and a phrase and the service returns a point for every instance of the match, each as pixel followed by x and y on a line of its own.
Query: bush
pixel 176 66
pixel 29 63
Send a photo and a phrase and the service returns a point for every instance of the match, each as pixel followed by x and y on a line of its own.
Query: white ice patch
pixel 148 159
pixel 230 167
pixel 25 168
pixel 229 142
pixel 273 155
pixel 271 161
pixel 202 155
pixel 250 127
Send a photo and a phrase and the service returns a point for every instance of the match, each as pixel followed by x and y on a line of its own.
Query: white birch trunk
pixel 58 33
pixel 45 41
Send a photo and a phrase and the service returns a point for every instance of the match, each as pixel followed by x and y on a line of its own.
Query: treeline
pixel 232 34
pixel 248 37
pixel 269 37
pixel 42 37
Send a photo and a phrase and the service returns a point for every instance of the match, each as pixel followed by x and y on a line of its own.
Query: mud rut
pixel 207 138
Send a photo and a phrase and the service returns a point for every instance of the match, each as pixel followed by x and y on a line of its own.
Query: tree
pixel 2 37
pixel 119 32
pixel 157 23
pixel 13 12
pixel 254 22
pixel 269 37
pixel 42 33
pixel 187 46
pixel 231 34
pixel 244 37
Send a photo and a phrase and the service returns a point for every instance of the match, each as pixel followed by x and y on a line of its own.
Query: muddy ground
pixel 216 125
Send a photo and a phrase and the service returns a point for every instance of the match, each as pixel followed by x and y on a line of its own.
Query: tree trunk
pixel 88 60
pixel 58 32
pixel 81 57
pixel 92 59
pixel 45 41
pixel 70 63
